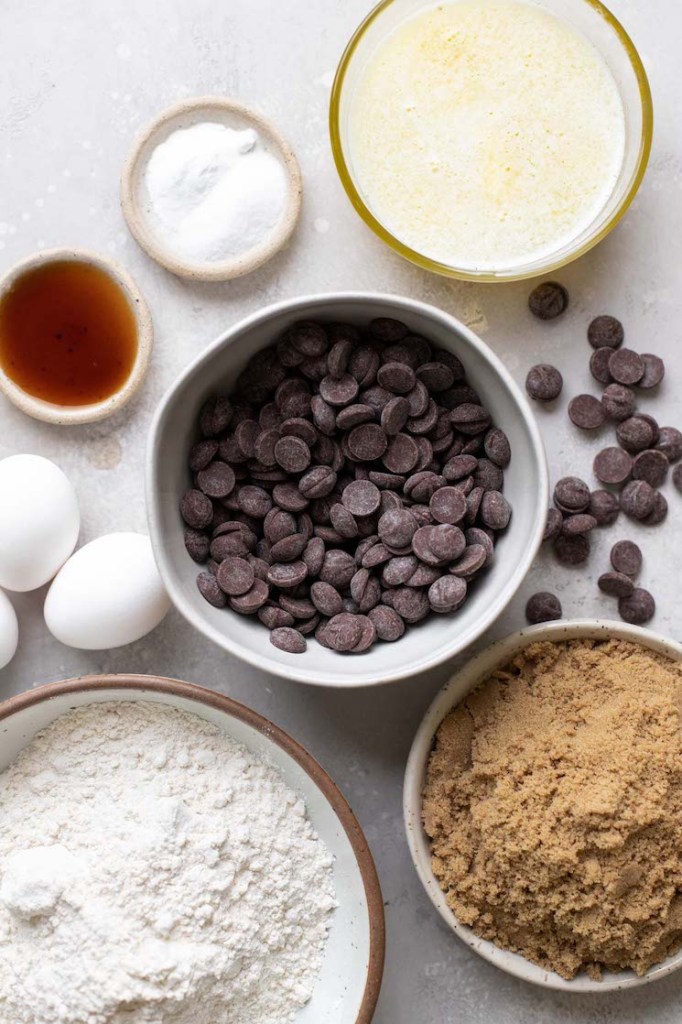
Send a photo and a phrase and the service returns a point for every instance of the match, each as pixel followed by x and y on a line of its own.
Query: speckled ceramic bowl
pixel 347 987
pixel 462 683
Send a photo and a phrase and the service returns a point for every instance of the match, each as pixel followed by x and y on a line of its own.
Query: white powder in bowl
pixel 214 193
pixel 153 871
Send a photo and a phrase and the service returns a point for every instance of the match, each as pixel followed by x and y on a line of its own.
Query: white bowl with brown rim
pixel 136 205
pixel 347 987
pixel 69 415
pixel 459 686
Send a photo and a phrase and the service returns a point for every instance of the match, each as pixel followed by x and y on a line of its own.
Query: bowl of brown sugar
pixel 543 805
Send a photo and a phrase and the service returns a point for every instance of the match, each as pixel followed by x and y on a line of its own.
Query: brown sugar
pixel 553 802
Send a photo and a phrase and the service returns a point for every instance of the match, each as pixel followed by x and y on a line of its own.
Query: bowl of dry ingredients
pixel 167 853
pixel 542 805
pixel 345 489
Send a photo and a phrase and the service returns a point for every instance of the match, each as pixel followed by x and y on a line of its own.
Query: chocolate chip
pixel 196 509
pixel 343 631
pixel 215 416
pixel 251 601
pixel 318 482
pixel 338 568
pixel 313 556
pixel 367 442
pixel 670 443
pixel 396 377
pixel 398 570
pixel 361 498
pixel 447 594
pixel 217 480
pixel 548 300
pixel 553 525
pixel 411 604
pixel 658 512
pixel 448 505
pixel 586 412
pixel 397 528
pixel 497 447
pixel 401 454
pixel 612 466
pixel 274 617
pixel 235 576
pixel 388 330
pixel 470 419
pixel 638 608
pixel 582 522
pixel 196 544
pixel 343 522
pixel 367 637
pixel 572 550
pixel 544 382
pixel 543 607
pixel 605 331
pixel 495 510
pixel 210 591
pixel 651 465
pixel 571 494
pixel 677 478
pixel 326 599
pixel 619 402
pixel 599 365
pixel 254 501
pixel 615 584
pixel 289 497
pixel 292 454
pixel 654 371
pixel 201 454
pixel 436 376
pixel 637 499
pixel 604 506
pixel 288 549
pixel 289 640
pixel 394 415
pixel 626 557
pixel 445 542
pixel 339 392
pixel 470 562
pixel 339 357
pixel 626 366
pixel 287 574
pixel 635 434
pixel 387 622
pixel 299 607
pixel 459 467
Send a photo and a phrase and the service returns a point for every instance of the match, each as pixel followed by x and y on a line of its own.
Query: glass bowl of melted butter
pixel 491 140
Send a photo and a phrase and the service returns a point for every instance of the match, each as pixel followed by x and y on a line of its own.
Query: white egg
pixel 9 631
pixel 108 594
pixel 39 521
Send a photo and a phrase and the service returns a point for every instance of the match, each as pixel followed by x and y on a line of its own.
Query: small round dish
pixel 463 682
pixel 135 205
pixel 589 18
pixel 348 985
pixel 72 415
pixel 436 638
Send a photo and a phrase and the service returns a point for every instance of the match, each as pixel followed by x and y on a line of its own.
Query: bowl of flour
pixel 167 856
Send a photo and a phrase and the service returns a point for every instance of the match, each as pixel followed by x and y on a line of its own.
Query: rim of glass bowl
pixel 425 262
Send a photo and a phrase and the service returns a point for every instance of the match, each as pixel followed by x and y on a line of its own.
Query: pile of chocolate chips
pixel 350 485
pixel 634 469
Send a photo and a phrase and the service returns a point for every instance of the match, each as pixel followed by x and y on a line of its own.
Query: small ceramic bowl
pixel 348 986
pixel 440 636
pixel 69 415
pixel 589 18
pixel 135 201
pixel 462 683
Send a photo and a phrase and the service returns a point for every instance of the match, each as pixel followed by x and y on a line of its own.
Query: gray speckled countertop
pixel 77 80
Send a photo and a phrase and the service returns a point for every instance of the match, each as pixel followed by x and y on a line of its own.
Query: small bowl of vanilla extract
pixel 75 336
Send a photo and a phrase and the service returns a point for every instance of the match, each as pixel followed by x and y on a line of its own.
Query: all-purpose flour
pixel 152 871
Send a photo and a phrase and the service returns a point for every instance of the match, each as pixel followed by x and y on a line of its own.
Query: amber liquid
pixel 67 334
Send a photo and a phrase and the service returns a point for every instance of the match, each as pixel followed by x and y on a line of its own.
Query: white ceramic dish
pixel 348 985
pixel 438 637
pixel 468 677
pixel 135 203
pixel 70 415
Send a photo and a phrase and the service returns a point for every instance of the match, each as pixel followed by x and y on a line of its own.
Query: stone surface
pixel 77 82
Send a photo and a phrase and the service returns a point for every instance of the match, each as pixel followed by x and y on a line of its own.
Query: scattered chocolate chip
pixel 650 465
pixel 626 366
pixel 670 443
pixel 612 466
pixel 618 401
pixel 605 332
pixel 626 557
pixel 615 584
pixel 572 550
pixel 654 371
pixel 544 383
pixel 548 300
pixel 571 494
pixel 638 608
pixel 636 434
pixel 658 512
pixel 599 365
pixel 553 525
pixel 581 522
pixel 637 499
pixel 586 412
pixel 543 607
pixel 604 506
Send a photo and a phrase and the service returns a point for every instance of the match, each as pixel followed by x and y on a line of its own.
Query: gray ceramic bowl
pixel 438 637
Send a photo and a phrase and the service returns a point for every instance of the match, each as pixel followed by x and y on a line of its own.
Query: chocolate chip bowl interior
pixel 343 472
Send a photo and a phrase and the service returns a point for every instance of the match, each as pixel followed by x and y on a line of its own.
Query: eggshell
pixel 108 594
pixel 9 631
pixel 39 521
